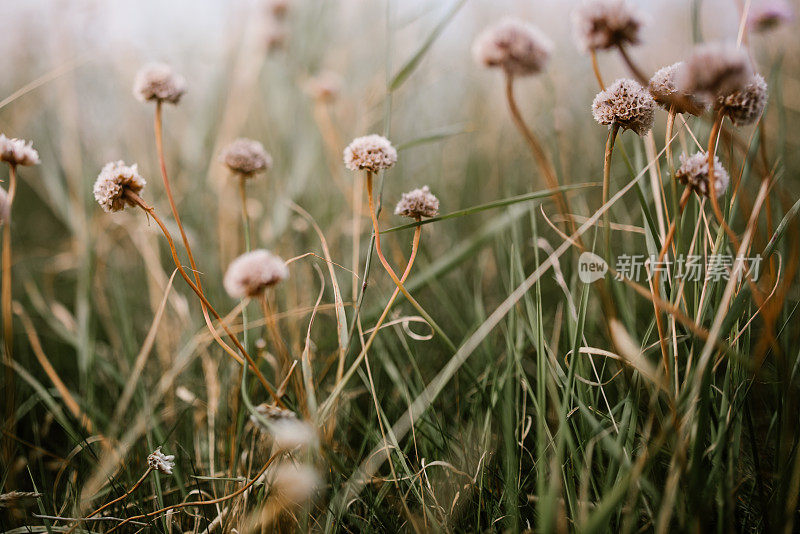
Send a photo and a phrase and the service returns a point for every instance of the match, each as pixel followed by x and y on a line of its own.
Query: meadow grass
pixel 482 385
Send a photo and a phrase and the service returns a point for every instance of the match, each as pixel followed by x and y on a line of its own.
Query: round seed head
pixel 324 87
pixel 714 70
pixel 370 153
pixel 602 24
pixel 418 203
pixel 517 47
pixel 112 182
pixel 158 82
pixel 294 483
pixel 253 272
pixel 627 104
pixel 161 462
pixel 246 157
pixel 665 92
pixel 746 105
pixel 769 14
pixel 693 172
pixel 18 152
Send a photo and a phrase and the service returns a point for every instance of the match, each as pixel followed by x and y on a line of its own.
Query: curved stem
pixel 340 384
pixel 124 495
pixel 635 70
pixel 545 166
pixel 712 186
pixel 157 127
pixel 596 69
pixel 201 503
pixel 137 200
pixel 393 276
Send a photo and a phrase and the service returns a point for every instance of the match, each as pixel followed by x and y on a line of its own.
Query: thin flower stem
pixel 596 69
pixel 712 186
pixel 158 129
pixel 545 165
pixel 393 276
pixel 136 199
pixel 635 70
pixel 340 384
pixel 202 503
pixel 8 320
pixel 612 136
pixel 123 496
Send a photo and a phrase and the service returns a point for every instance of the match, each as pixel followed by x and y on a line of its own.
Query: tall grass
pixel 508 396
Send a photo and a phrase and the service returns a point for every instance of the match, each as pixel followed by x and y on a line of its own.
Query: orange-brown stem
pixel 8 320
pixel 124 495
pixel 137 200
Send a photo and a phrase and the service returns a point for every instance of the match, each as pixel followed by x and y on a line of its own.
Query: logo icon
pixel 591 267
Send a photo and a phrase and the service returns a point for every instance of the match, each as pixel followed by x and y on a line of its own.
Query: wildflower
pixel 113 181
pixel 291 433
pixel 693 172
pixel 18 152
pixel 324 87
pixel 246 157
pixel 517 47
pixel 158 82
pixel 627 104
pixel 161 462
pixel 294 483
pixel 251 273
pixel 714 70
pixel 418 203
pixel 370 153
pixel 665 92
pixel 275 36
pixel 271 413
pixel 603 24
pixel 746 105
pixel 769 14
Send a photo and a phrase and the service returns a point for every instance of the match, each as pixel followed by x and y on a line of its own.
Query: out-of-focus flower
pixel 158 82
pixel 517 47
pixel 693 172
pixel 603 24
pixel 251 273
pixel 246 157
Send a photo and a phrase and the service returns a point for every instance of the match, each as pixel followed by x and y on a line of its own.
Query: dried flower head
pixel 745 106
pixel 665 92
pixel 17 151
pixel 294 483
pixel 515 46
pixel 290 433
pixel 602 24
pixel 271 413
pixel 693 172
pixel 251 273
pixel 769 14
pixel 370 153
pixel 324 87
pixel 246 157
pixel 113 181
pixel 627 104
pixel 418 203
pixel 714 70
pixel 161 462
pixel 158 82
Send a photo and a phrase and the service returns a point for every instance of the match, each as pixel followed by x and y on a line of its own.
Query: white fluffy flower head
pixel 693 172
pixel 253 272
pixel 370 153
pixel 515 46
pixel 627 104
pixel 158 82
pixel 246 157
pixel 418 203
pixel 112 182
pixel 17 151
pixel 161 462
pixel 294 483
